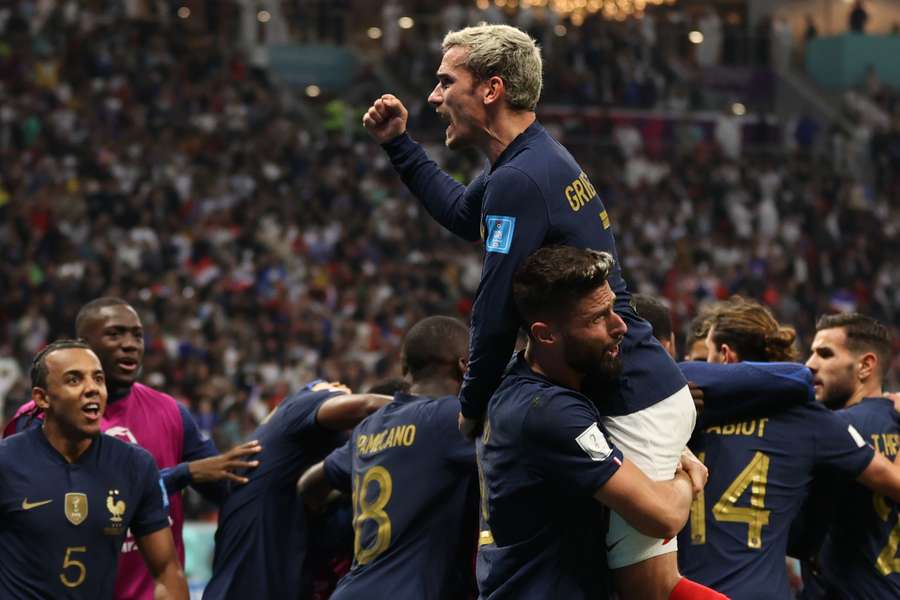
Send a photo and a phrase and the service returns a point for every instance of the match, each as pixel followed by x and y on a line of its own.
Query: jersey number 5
pixel 365 510
pixel 754 476
pixel 71 563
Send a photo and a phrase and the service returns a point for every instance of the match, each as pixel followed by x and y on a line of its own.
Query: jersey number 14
pixel 754 476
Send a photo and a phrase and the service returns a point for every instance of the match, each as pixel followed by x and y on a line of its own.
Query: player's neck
pixel 117 392
pixel 501 131
pixel 553 368
pixel 435 388
pixel 866 390
pixel 71 446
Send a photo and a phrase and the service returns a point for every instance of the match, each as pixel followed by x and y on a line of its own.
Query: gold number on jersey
pixel 482 482
pixel 755 476
pixel 363 511
pixel 887 561
pixel 68 563
pixel 698 513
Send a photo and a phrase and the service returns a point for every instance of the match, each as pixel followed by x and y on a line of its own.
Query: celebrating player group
pixel 578 464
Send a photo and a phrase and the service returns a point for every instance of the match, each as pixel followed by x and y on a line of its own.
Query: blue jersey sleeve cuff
pixel 176 478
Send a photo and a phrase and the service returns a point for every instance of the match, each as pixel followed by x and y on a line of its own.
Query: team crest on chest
pixel 76 507
pixel 116 508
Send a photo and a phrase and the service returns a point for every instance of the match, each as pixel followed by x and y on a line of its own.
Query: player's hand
pixel 217 468
pixel 895 398
pixel 697 395
pixel 386 119
pixel 695 469
pixel 470 428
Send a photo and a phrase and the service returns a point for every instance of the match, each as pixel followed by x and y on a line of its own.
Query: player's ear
pixel 542 332
pixel 728 354
pixel 39 397
pixel 494 90
pixel 463 366
pixel 866 366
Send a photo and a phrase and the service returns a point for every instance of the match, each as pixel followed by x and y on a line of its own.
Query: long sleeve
pixel 516 224
pixel 453 205
pixel 195 447
pixel 745 389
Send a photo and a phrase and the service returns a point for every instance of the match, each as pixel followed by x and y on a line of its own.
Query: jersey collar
pixel 519 143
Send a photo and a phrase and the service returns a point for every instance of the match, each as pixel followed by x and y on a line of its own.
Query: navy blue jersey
pixel 860 557
pixel 534 195
pixel 542 457
pixel 760 471
pixel 410 473
pixel 62 524
pixel 262 535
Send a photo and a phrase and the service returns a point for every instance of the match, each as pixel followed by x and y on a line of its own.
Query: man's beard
pixel 596 363
pixel 838 397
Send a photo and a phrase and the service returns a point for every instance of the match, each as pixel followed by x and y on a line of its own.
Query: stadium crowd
pixel 165 169
pixel 144 159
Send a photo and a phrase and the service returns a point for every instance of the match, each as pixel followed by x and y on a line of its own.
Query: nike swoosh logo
pixel 26 505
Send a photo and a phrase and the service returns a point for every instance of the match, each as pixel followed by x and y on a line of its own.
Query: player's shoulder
pixel 870 406
pixel 551 408
pixel 13 446
pixel 876 414
pixel 145 393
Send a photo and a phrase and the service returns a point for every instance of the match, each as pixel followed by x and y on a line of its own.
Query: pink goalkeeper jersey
pixel 152 420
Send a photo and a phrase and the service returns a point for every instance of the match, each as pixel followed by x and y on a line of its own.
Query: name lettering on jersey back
pixel 755 427
pixel 373 443
pixel 580 192
pixel 887 443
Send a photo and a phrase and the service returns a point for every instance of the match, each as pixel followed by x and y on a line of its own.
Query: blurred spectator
pixel 811 32
pixel 858 18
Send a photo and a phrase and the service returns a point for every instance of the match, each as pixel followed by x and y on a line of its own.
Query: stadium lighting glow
pixel 560 30
pixel 263 16
pixel 695 37
pixel 374 33
pixel 739 109
pixel 577 10
pixel 406 22
pixel 313 91
pixel 184 12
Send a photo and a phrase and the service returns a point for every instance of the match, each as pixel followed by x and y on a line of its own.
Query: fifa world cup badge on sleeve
pixel 594 443
pixel 76 507
pixel 499 233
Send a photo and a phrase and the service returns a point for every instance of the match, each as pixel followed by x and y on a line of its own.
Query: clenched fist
pixel 386 118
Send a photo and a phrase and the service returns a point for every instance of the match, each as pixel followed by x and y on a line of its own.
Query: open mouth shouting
pixel 91 411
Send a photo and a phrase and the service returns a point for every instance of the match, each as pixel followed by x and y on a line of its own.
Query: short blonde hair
pixel 504 51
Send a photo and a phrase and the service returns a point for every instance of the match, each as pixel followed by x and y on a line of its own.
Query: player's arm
pixel 658 509
pixel 450 203
pixel 347 410
pixel 841 448
pixel 202 466
pixel 882 476
pixel 322 479
pixel 158 550
pixel 516 223
pixel 746 389
pixel 566 445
